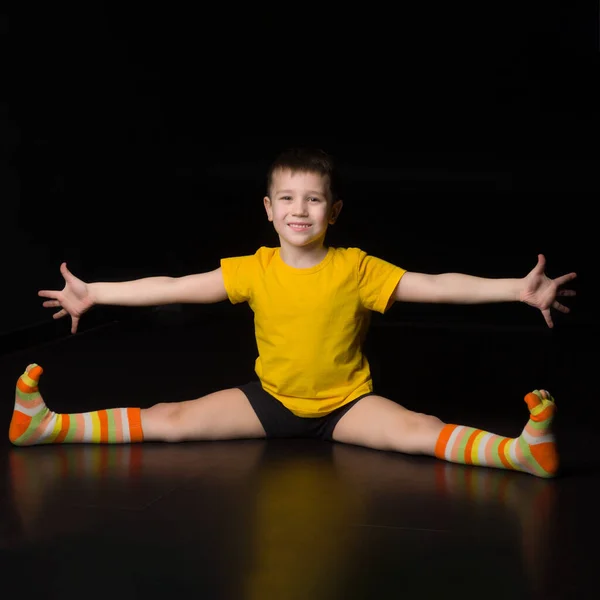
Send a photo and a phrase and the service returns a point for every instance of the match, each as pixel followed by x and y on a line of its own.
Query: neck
pixel 304 257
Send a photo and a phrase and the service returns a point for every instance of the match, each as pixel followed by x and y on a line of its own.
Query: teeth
pixel 300 226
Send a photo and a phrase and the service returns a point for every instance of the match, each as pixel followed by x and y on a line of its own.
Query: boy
pixel 312 305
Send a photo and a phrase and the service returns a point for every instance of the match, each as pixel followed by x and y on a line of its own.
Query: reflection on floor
pixel 302 519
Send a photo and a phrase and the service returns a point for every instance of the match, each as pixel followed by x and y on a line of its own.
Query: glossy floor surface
pixel 300 519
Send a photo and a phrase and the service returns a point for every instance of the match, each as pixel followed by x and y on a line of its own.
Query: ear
pixel 268 207
pixel 336 209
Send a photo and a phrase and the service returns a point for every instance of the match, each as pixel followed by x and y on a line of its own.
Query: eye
pixel 313 199
pixel 285 198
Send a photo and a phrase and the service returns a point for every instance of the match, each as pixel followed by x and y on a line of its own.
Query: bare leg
pixel 377 422
pixel 382 424
pixel 223 415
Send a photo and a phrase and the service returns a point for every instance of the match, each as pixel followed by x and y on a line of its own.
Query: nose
pixel 300 209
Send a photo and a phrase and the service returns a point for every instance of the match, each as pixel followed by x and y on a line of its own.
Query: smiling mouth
pixel 299 226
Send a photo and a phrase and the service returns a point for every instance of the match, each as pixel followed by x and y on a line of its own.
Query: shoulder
pixel 349 255
pixel 262 257
pixel 352 258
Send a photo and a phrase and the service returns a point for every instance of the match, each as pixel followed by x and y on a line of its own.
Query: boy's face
pixel 300 207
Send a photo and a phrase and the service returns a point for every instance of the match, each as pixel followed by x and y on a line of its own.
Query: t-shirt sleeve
pixel 377 280
pixel 238 274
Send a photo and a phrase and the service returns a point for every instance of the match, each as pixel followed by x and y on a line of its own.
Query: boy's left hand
pixel 541 292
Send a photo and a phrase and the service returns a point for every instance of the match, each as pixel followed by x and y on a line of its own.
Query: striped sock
pixel 33 423
pixel 534 451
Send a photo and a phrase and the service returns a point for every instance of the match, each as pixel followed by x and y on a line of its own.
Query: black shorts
pixel 280 422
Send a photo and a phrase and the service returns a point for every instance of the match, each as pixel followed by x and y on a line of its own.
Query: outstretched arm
pixel 535 289
pixel 201 288
pixel 77 297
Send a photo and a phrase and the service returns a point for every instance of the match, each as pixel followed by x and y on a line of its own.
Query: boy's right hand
pixel 74 299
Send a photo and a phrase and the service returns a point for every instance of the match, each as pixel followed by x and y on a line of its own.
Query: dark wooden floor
pixel 299 519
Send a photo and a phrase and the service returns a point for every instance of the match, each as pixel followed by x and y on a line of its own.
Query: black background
pixel 137 138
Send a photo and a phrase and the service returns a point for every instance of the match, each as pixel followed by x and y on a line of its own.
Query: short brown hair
pixel 305 160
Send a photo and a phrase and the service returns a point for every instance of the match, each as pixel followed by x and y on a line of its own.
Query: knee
pixel 425 429
pixel 418 435
pixel 428 422
pixel 164 410
pixel 164 420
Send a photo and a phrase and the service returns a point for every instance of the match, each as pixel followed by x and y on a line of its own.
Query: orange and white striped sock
pixel 534 451
pixel 34 423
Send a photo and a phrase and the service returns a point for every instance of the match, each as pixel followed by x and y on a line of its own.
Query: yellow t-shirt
pixel 310 323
